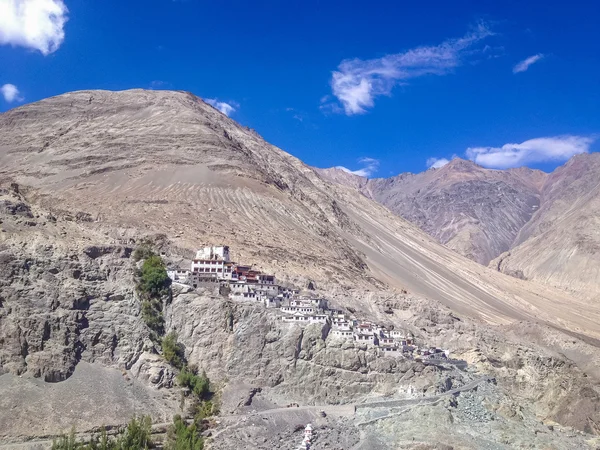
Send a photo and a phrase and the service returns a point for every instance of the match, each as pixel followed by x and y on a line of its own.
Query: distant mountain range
pixel 523 222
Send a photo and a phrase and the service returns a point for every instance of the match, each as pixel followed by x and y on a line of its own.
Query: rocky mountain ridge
pixel 495 216
pixel 475 211
pixel 87 176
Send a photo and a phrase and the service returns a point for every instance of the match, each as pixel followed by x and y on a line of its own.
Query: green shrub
pixel 173 351
pixel 180 436
pixel 204 410
pixel 198 384
pixel 154 281
pixel 142 252
pixel 153 317
pixel 135 437
pixel 152 284
pixel 66 442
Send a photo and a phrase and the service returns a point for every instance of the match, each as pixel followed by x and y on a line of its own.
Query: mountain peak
pixel 463 165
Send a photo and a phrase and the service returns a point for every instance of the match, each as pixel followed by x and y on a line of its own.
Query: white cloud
pixel 159 84
pixel 10 93
pixel 371 165
pixel 524 65
pixel 436 163
pixel 34 24
pixel 225 108
pixel 357 82
pixel 545 149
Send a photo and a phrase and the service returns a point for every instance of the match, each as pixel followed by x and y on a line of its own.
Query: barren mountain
pixel 560 245
pixel 87 176
pixel 475 211
pixel 522 222
pixel 168 163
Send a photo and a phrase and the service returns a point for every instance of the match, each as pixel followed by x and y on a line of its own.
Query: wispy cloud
pixel 356 83
pixel 11 93
pixel 297 115
pixel 436 163
pixel 524 65
pixel 159 84
pixel 371 166
pixel 34 24
pixel 545 149
pixel 225 108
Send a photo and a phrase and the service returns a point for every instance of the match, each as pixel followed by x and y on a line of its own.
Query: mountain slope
pixel 522 222
pixel 165 162
pixel 86 177
pixel 560 245
pixel 475 211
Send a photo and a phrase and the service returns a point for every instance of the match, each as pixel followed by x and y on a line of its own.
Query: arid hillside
pixel 522 222
pixel 86 177
pixel 166 162
pixel 560 245
pixel 475 211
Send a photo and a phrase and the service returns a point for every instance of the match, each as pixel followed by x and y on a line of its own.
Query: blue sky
pixel 376 87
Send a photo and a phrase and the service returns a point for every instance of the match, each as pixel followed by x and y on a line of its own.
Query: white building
pixel 396 334
pixel 296 318
pixel 318 318
pixel 364 339
pixel 288 309
pixel 391 350
pixel 178 275
pixel 388 341
pixel 214 260
pixel 269 290
pixel 245 293
pixel 320 303
pixel 305 319
pixel 218 253
pixel 341 333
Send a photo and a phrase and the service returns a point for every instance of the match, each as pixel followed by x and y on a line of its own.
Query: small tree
pixel 180 436
pixel 152 284
pixel 142 252
pixel 154 280
pixel 198 384
pixel 173 351
pixel 66 442
pixel 137 435
pixel 153 317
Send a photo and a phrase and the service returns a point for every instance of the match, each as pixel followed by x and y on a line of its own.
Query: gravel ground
pixel 40 409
